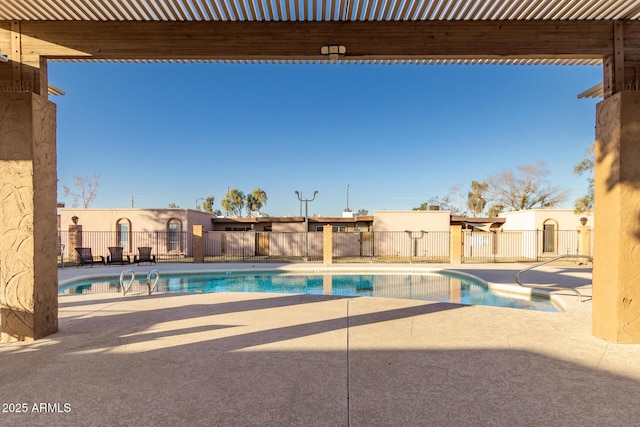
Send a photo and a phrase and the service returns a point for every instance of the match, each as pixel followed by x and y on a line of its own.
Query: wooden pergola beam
pixel 304 40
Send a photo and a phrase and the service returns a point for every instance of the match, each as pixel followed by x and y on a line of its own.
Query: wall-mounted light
pixel 3 58
pixel 334 51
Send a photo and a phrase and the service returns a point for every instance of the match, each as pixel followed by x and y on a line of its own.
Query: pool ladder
pixel 551 287
pixel 126 286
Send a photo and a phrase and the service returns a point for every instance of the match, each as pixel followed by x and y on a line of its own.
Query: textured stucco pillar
pixel 198 243
pixel 616 269
pixel 584 240
pixel 28 229
pixel 455 244
pixel 327 244
pixel 75 241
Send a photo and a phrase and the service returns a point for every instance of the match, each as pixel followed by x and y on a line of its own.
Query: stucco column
pixel 327 244
pixel 455 244
pixel 198 243
pixel 584 241
pixel 616 270
pixel 75 241
pixel 28 229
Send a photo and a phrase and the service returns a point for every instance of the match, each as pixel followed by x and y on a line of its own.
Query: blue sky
pixel 396 134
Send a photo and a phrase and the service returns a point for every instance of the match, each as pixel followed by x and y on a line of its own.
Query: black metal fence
pixel 379 246
pixel 167 246
pixel 518 246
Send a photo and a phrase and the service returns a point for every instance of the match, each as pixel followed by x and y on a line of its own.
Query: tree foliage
pixel 476 200
pixel 256 200
pixel 208 204
pixel 86 190
pixel 524 188
pixel 585 167
pixel 233 203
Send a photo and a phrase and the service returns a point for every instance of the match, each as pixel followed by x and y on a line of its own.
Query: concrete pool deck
pixel 240 359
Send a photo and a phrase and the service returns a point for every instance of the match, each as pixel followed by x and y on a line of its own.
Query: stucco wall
pixel 411 220
pixel 533 219
pixel 140 219
pixel 288 227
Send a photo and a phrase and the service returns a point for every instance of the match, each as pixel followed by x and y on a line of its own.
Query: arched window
pixel 123 232
pixel 174 229
pixel 549 236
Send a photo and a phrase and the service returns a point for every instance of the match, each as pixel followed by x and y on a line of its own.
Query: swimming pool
pixel 441 287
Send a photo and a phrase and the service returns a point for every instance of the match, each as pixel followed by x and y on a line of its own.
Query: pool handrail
pixel 552 287
pixel 124 288
pixel 152 287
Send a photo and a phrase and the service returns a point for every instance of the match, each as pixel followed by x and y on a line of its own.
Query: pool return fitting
pixel 126 285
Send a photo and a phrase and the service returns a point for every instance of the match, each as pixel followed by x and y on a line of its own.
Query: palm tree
pixel 256 200
pixel 475 199
pixel 233 202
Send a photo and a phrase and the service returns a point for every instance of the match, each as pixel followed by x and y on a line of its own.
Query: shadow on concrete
pixel 117 370
pixel 562 276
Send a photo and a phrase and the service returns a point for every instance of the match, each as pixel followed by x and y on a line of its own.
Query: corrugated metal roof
pixel 317 10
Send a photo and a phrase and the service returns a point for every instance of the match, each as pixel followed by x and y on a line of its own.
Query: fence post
pixel 455 254
pixel 198 244
pixel 75 241
pixel 584 240
pixel 327 244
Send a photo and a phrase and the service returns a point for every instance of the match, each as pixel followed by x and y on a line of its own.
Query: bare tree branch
pixel 526 188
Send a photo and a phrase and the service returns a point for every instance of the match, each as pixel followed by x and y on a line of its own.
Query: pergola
pixel 530 32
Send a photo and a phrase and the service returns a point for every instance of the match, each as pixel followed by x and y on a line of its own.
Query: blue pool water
pixel 430 287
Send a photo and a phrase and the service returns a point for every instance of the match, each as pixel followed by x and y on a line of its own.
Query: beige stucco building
pixel 538 219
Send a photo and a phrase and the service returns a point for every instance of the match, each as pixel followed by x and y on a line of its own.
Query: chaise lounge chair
pixel 116 256
pixel 86 257
pixel 144 255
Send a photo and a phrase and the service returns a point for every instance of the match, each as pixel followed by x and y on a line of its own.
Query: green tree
pixel 173 206
pixel 233 203
pixel 256 200
pixel 208 204
pixel 526 188
pixel 362 212
pixel 475 198
pixel 585 167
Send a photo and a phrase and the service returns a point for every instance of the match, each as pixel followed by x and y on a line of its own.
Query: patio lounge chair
pixel 86 257
pixel 116 256
pixel 144 255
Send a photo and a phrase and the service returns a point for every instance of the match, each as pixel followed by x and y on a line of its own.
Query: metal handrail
pixel 152 287
pixel 556 288
pixel 126 288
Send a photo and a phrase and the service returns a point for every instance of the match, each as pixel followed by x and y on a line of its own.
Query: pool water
pixel 430 287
